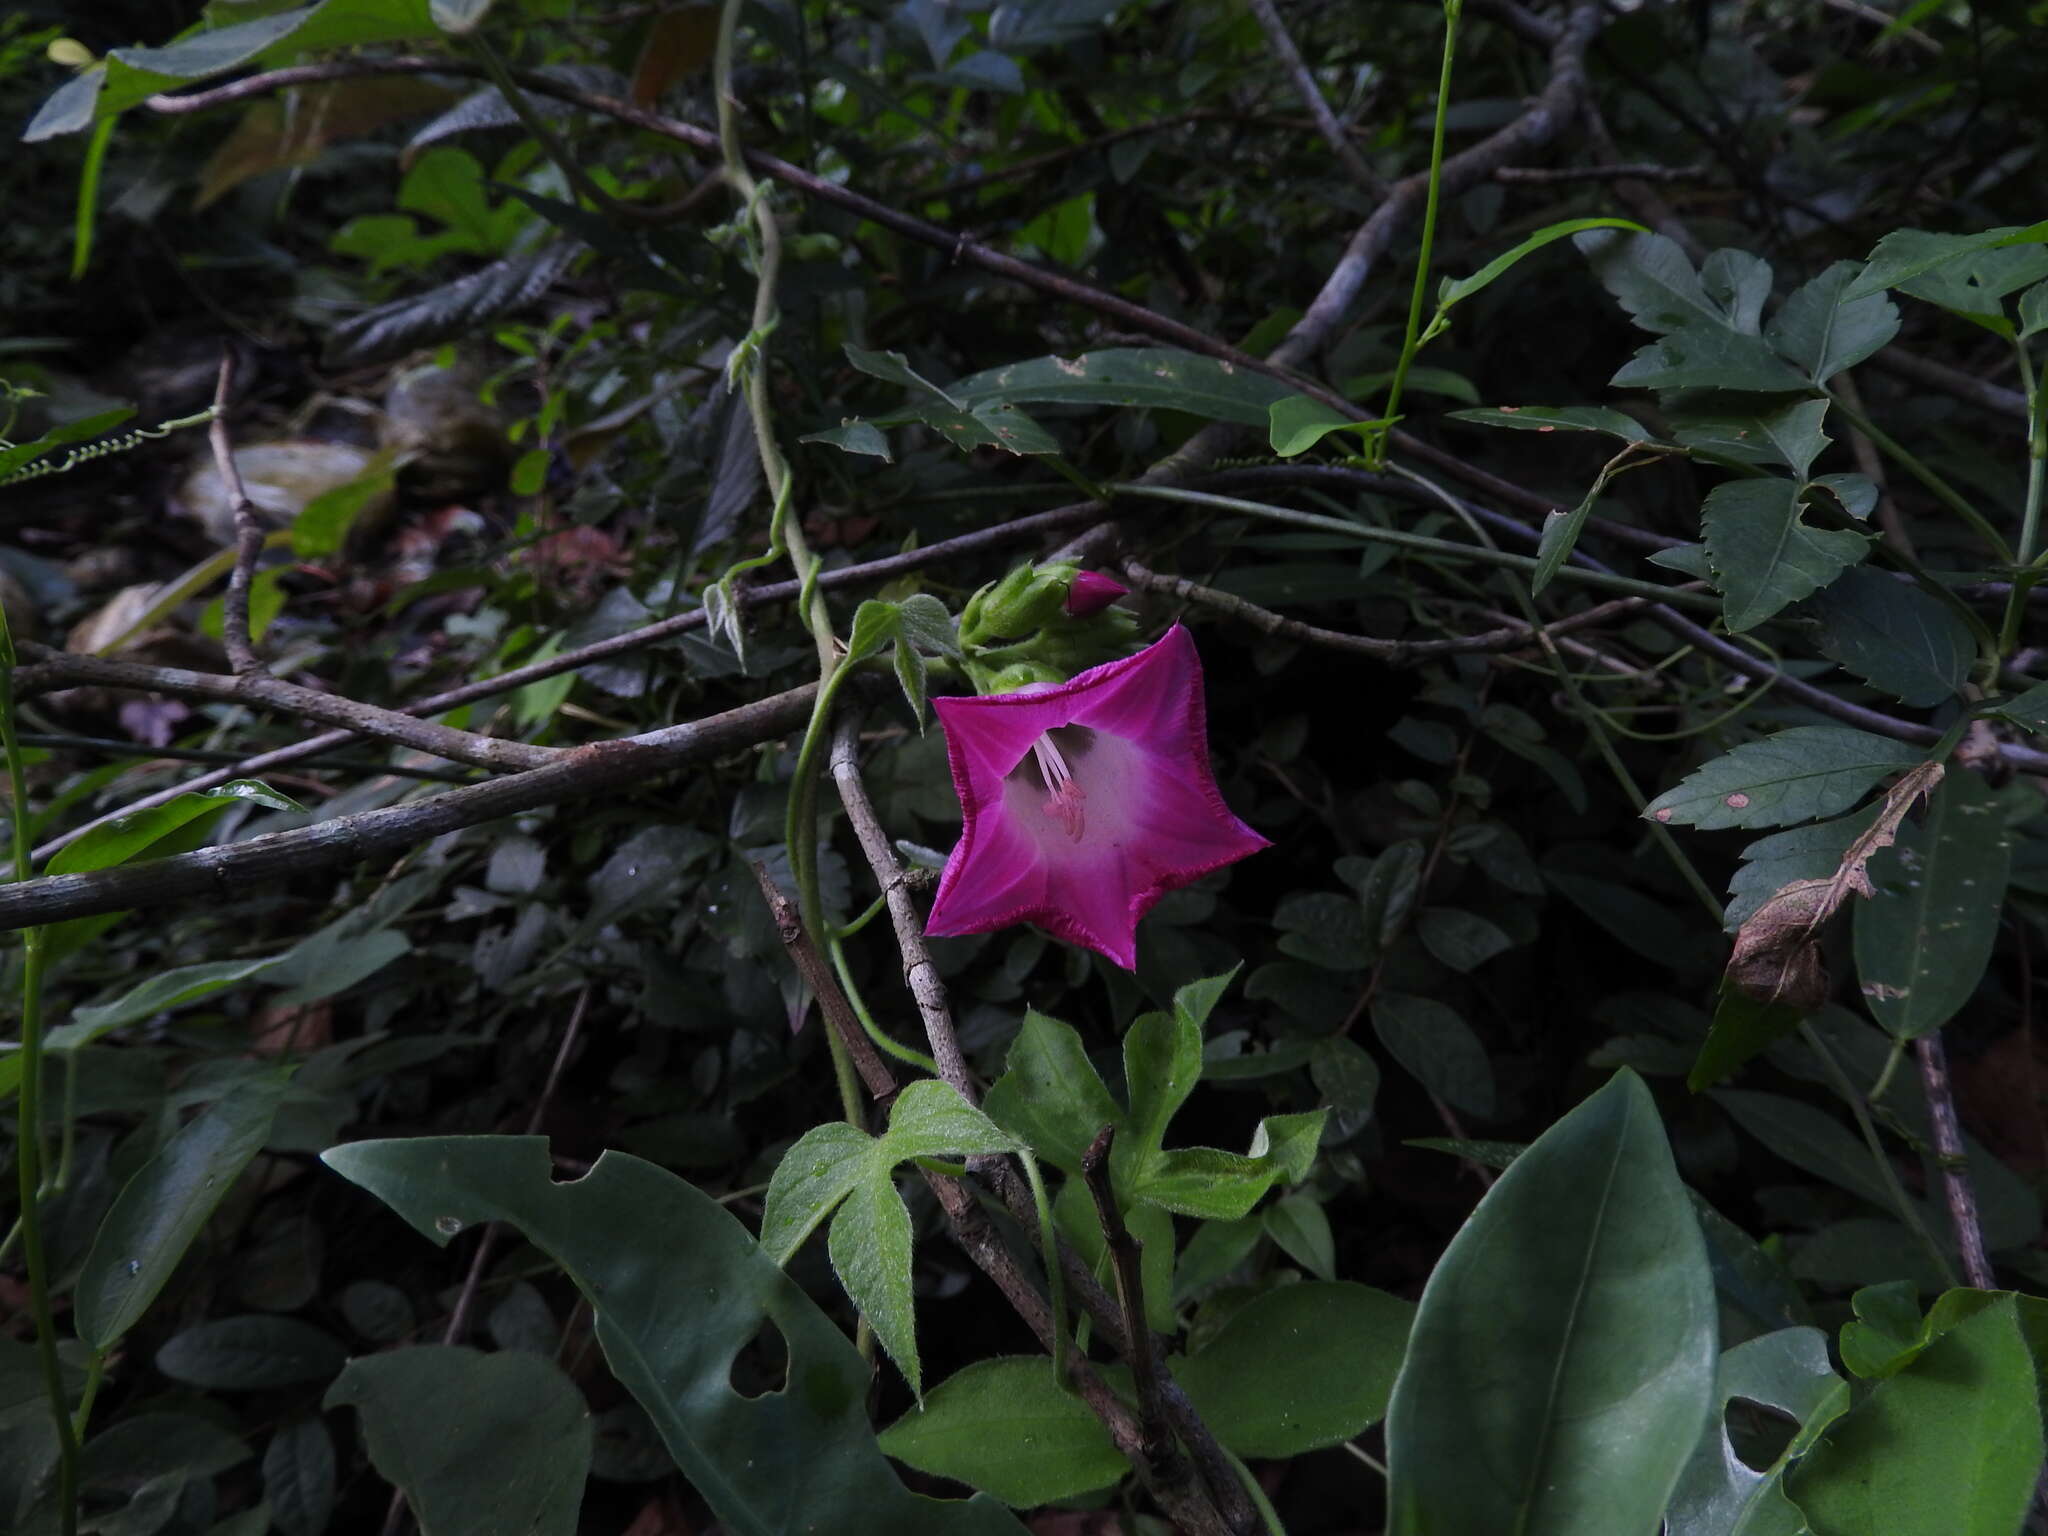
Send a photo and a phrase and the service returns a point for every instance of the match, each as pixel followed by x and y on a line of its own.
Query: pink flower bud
pixel 1091 593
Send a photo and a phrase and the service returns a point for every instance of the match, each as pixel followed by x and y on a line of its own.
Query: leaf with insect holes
pixel 1799 774
pixel 1763 552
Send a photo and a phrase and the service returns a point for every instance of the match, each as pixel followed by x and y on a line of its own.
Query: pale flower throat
pixel 1063 795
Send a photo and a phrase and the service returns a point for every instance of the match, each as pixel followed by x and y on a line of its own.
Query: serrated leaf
pixel 1651 279
pixel 1801 774
pixel 1894 636
pixel 1560 418
pixel 1924 940
pixel 1763 552
pixel 1708 357
pixel 1821 331
pixel 1856 493
pixel 1905 254
pixel 1006 1427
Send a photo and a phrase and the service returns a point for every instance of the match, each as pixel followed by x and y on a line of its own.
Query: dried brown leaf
pixel 1776 958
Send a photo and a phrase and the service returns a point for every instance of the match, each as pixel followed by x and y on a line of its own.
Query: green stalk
pixel 2024 581
pixel 800 826
pixel 28 1157
pixel 1411 342
pixel 1942 491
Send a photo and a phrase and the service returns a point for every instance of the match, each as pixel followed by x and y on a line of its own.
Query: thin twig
pixel 817 975
pixel 248 530
pixel 1312 97
pixel 1952 1159
pixel 1543 176
pixel 1396 653
pixel 1125 1252
pixel 919 974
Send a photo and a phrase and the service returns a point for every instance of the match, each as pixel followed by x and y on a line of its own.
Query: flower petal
pixel 1152 819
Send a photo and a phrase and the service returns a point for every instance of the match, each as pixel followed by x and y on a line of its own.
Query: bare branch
pixel 1543 176
pixel 231 870
pixel 919 974
pixel 1953 1160
pixel 1312 97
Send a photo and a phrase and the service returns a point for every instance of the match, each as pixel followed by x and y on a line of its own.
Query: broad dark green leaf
pixel 2028 710
pixel 480 1444
pixel 1300 1367
pixel 1437 1048
pixel 679 1287
pixel 855 436
pixel 1462 940
pixel 1764 553
pixel 1296 423
pixel 163 1207
pixel 299 1478
pixel 1808 1138
pixel 1562 1363
pixel 246 1354
pixel 1923 941
pixel 1894 636
pixel 1721 1495
pixel 1006 1427
pixel 1159 377
pixel 1806 772
pixel 1948 1447
pixel 1820 332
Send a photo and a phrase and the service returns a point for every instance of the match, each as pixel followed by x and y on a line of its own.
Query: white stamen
pixel 1063 795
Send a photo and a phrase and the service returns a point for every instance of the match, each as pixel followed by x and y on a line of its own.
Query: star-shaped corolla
pixel 1085 802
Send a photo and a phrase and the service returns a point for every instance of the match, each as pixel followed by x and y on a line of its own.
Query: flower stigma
pixel 1064 794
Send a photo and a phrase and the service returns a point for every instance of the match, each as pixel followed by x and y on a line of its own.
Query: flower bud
pixel 1092 592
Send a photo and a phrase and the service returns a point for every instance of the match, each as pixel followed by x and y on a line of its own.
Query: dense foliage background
pixel 511 332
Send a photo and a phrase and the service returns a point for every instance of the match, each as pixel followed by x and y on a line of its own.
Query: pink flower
pixel 1092 592
pixel 1085 802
